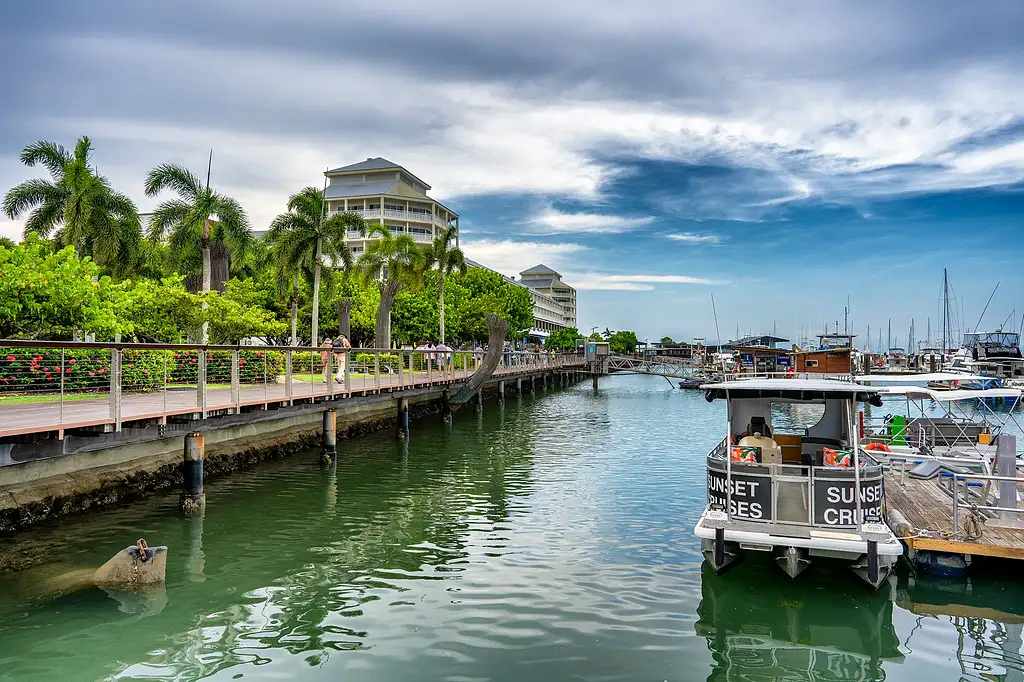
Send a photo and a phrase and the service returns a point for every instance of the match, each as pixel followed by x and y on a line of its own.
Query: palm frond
pixel 172 216
pixel 47 216
pixel 232 224
pixel 176 178
pixel 53 157
pixel 29 194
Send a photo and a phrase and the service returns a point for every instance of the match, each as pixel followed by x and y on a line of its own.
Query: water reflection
pixel 761 628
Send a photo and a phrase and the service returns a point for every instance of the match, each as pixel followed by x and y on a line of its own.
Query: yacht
pixel 792 494
pixel 992 354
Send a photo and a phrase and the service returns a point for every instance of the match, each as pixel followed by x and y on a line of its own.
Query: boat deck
pixel 928 507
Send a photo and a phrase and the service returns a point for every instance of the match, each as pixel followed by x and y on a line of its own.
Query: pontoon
pixel 792 494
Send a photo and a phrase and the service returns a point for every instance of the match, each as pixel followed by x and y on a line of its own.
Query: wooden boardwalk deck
pixel 928 507
pixel 162 404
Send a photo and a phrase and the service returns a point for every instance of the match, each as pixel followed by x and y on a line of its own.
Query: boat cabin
pixel 783 488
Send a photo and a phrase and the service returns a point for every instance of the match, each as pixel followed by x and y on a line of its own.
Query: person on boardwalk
pixel 341 346
pixel 326 345
pixel 444 364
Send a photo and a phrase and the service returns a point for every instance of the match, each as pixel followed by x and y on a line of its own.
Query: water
pixel 549 540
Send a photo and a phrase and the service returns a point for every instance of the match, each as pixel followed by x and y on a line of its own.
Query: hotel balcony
pixel 353 235
pixel 377 214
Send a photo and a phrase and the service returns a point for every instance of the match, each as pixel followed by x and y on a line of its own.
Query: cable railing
pixel 58 385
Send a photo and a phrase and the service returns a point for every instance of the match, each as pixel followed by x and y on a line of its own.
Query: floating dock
pixel 928 509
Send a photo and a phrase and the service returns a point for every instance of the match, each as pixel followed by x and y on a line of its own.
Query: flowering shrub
pixel 32 369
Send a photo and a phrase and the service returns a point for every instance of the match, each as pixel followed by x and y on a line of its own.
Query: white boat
pixel 995 355
pixel 773 492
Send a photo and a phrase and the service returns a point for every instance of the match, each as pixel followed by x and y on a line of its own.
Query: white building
pixel 545 281
pixel 382 192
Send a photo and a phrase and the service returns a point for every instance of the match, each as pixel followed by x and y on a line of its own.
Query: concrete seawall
pixel 107 473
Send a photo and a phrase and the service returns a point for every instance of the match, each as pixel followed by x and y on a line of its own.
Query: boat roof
pixel 941 396
pixel 915 378
pixel 792 389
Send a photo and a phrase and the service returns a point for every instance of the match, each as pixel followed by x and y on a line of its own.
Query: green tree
pixel 621 341
pixel 448 260
pixel 236 314
pixel 486 293
pixel 6 243
pixel 307 233
pixel 162 310
pixel 667 341
pixel 563 339
pixel 47 294
pixel 393 262
pixel 76 206
pixel 195 218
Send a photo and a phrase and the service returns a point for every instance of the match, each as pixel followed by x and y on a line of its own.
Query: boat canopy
pixel 918 392
pixel 793 389
pixel 916 378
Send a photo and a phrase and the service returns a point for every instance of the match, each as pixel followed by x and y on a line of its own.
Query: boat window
pixel 796 417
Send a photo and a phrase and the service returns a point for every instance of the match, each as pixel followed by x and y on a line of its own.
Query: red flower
pixel 71 361
pixel 92 374
pixel 10 358
pixel 67 371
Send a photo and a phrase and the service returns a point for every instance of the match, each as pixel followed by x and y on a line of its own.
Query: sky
pixel 785 158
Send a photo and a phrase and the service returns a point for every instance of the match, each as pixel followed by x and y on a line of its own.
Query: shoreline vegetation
pixel 87 269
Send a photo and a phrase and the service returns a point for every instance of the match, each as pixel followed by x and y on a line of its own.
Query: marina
pixel 536 526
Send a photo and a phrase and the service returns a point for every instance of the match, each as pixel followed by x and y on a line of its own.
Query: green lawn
pixel 47 398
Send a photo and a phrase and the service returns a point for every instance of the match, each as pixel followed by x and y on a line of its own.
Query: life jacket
pixel 836 458
pixel 746 455
pixel 877 447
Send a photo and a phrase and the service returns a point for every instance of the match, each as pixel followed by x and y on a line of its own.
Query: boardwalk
pixel 183 402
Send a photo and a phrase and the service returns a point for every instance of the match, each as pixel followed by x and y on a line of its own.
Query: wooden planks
pixel 929 508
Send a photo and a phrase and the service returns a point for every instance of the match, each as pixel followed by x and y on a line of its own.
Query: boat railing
pixel 741 376
pixel 794 494
pixel 962 482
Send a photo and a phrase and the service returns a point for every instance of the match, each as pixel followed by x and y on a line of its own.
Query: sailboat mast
pixel 945 308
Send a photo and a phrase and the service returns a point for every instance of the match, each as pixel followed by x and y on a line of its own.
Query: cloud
pixel 10 229
pixel 608 282
pixel 695 238
pixel 512 257
pixel 557 221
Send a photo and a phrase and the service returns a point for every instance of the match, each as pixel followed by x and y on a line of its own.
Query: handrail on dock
pixel 53 386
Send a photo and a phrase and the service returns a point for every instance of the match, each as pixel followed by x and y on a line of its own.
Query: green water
pixel 547 540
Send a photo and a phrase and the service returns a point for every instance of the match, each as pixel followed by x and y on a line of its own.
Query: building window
pixel 811 363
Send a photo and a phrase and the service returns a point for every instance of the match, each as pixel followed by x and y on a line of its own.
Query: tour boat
pixel 792 494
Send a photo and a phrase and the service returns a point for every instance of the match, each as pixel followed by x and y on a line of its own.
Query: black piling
pixel 193 498
pixel 403 418
pixel 330 437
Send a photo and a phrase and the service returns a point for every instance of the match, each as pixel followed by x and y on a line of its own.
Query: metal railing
pixel 983 496
pixel 396 214
pixel 54 385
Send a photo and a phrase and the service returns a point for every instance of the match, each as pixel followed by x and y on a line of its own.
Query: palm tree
pixel 305 232
pixel 194 215
pixel 77 206
pixel 392 261
pixel 449 259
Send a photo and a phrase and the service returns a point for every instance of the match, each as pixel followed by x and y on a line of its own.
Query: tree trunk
pixel 387 299
pixel 315 341
pixel 440 303
pixel 345 317
pixel 497 330
pixel 295 309
pixel 207 270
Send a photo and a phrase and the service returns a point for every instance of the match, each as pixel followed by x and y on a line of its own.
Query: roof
pixel 360 190
pixel 375 163
pixel 539 270
pixel 917 392
pixel 538 283
pixel 792 389
pixel 917 378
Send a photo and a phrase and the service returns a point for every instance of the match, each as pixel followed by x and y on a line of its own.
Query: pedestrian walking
pixel 341 346
pixel 326 345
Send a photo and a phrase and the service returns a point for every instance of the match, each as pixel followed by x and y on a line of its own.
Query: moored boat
pixel 793 494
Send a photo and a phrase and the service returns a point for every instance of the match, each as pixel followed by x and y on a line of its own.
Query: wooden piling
pixel 330 435
pixel 403 418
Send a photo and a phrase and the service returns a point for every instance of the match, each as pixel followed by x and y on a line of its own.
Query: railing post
pixel 348 371
pixel 376 370
pixel 401 367
pixel 288 375
pixel 115 388
pixel 61 421
pixel 329 373
pixel 201 383
pixel 236 380
pixel 956 508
